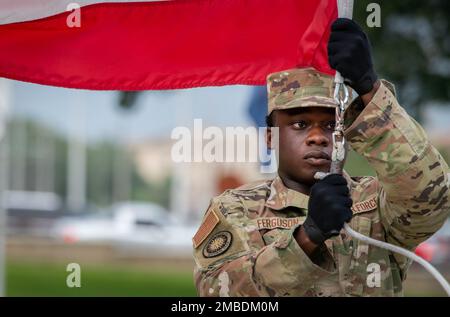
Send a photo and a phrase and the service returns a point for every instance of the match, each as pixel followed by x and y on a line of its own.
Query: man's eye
pixel 300 125
pixel 331 125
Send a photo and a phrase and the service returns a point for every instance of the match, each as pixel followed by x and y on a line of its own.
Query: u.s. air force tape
pixel 217 244
pixel 366 205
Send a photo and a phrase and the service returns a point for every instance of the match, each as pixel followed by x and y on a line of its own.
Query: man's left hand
pixel 349 53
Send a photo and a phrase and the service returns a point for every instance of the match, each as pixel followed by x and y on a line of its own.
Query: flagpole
pixel 345 10
pixel 3 187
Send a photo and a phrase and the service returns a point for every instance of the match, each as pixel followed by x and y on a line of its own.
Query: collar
pixel 281 196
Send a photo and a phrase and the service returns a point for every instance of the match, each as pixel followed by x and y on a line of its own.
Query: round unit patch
pixel 218 244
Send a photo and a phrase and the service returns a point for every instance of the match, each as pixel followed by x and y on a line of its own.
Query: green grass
pixel 30 279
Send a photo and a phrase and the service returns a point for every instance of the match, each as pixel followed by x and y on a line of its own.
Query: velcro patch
pixel 209 223
pixel 277 222
pixel 365 205
pixel 218 244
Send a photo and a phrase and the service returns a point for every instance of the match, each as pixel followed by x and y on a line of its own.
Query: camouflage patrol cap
pixel 300 87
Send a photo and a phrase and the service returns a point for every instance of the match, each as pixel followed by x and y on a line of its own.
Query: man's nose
pixel 317 136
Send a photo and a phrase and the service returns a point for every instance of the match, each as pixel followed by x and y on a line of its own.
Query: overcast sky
pixel 155 114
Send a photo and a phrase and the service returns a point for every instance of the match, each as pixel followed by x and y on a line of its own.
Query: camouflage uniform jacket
pixel 245 245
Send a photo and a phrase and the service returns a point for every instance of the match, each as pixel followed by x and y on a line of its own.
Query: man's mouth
pixel 317 158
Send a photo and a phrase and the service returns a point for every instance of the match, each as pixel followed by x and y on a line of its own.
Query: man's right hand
pixel 329 208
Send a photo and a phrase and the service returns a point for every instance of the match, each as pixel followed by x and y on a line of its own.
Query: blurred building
pixel 193 184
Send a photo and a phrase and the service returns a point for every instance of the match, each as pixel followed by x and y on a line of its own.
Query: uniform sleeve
pixel 280 268
pixel 414 179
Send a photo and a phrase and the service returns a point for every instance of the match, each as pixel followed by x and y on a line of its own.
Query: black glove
pixel 350 54
pixel 328 208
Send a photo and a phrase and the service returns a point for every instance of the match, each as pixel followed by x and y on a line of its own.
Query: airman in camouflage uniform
pixel 246 245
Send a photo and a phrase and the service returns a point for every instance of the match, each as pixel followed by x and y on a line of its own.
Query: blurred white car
pixel 135 224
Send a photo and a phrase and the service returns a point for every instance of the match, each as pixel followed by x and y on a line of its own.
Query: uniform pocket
pixel 355 272
pixel 273 235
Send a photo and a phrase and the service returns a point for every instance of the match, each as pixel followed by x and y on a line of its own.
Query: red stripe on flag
pixel 169 45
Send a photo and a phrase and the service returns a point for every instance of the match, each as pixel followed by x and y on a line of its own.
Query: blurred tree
pixel 127 99
pixel 26 158
pixel 412 49
pixel 25 154
pixel 101 168
pixel 155 192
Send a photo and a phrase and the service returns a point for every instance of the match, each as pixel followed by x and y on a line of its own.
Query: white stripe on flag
pixel 12 11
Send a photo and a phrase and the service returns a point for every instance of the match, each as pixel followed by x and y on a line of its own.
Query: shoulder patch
pixel 217 244
pixel 219 238
pixel 209 223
